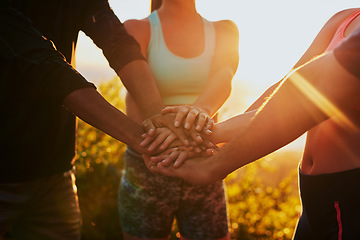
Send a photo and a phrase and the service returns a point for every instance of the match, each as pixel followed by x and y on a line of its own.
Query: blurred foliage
pixel 259 206
pixel 262 211
pixel 99 161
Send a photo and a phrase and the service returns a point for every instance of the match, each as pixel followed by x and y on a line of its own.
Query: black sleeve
pixel 30 62
pixel 109 34
pixel 348 53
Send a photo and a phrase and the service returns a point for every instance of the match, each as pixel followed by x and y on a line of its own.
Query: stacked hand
pixel 178 133
pixel 189 114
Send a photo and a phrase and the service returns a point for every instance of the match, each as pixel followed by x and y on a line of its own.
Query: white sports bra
pixel 180 80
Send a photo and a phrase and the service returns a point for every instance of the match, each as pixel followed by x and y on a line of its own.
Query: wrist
pixel 217 172
pixel 204 108
pixel 218 133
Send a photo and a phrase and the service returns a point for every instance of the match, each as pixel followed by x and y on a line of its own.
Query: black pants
pixel 331 206
pixel 42 209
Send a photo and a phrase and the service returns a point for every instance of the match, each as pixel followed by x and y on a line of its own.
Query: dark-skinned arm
pixel 90 106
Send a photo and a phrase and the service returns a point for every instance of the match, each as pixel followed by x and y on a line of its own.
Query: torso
pixel 179 46
pixel 331 146
pixel 180 75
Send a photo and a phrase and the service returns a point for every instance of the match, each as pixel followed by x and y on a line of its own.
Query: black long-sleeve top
pixel 37 136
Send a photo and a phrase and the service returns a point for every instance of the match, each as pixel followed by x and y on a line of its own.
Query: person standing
pixel 321 96
pixel 193 61
pixel 41 92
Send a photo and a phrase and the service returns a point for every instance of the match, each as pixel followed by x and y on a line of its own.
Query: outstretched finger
pixel 190 119
pixel 149 127
pixel 171 158
pixel 202 119
pixel 208 144
pixel 147 140
pixel 168 121
pixel 148 162
pixel 161 169
pixel 181 158
pixel 172 137
pixel 158 140
pixel 209 125
pixel 196 136
pixel 181 135
pixel 181 114
pixel 170 109
pixel 157 159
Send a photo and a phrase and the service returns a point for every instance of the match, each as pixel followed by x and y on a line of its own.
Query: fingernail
pixel 198 128
pixel 177 124
pixel 187 126
pixel 175 164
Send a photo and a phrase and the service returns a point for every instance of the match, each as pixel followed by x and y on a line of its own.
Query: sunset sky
pixel 273 36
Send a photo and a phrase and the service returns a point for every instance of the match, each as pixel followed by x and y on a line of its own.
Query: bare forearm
pixel 315 92
pixel 225 131
pixel 216 92
pixel 139 81
pixel 91 107
pixel 291 111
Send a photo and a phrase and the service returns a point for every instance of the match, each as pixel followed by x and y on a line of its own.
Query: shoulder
pixel 339 17
pixel 329 29
pixel 226 28
pixel 140 30
pixel 137 26
pixel 227 35
pixel 227 43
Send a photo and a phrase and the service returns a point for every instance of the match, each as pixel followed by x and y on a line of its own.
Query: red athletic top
pixel 340 32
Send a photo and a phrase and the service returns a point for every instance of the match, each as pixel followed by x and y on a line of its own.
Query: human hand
pixel 161 140
pixel 189 114
pixel 198 138
pixel 178 155
pixel 160 121
pixel 200 170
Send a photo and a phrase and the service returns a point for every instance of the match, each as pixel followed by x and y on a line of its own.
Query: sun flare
pixel 318 99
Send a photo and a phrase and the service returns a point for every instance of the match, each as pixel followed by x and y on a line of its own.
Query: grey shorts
pixel 148 204
pixel 46 208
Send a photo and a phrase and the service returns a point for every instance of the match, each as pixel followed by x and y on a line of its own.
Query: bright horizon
pixel 273 35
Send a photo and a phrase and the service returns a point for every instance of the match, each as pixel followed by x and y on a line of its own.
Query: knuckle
pixel 192 113
pixel 184 109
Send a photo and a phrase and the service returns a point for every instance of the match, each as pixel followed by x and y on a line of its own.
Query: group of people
pixel 173 64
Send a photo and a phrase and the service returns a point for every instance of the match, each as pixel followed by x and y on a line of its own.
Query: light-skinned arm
pixel 139 81
pixel 225 131
pixel 316 48
pixel 330 90
pixel 218 88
